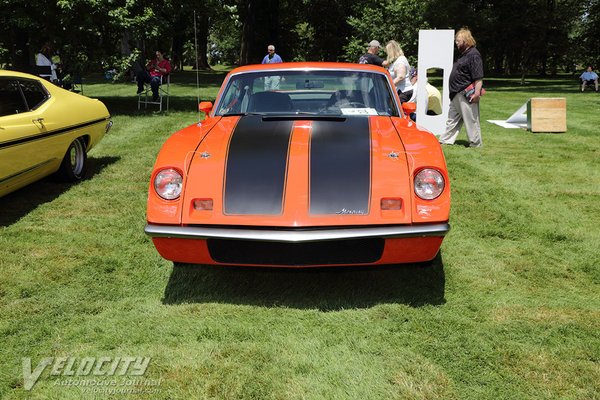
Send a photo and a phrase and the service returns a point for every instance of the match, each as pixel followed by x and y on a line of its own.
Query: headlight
pixel 429 184
pixel 168 183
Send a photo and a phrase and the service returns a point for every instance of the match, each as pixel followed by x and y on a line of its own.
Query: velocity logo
pixel 87 366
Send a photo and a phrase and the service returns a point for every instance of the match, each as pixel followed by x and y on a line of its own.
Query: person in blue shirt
pixel 271 57
pixel 272 82
pixel 589 77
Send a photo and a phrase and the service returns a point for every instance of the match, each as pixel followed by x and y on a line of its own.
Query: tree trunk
pixel 260 19
pixel 248 21
pixel 177 52
pixel 202 26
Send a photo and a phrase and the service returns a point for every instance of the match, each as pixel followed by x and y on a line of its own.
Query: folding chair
pixel 590 83
pixel 145 97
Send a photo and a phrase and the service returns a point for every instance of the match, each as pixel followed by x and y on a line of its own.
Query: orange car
pixel 300 164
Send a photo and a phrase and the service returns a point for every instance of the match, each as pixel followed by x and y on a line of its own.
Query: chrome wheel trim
pixel 77 157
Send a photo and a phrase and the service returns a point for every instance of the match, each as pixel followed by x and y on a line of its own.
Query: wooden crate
pixel 547 114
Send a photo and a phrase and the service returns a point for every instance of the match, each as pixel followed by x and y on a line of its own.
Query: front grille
pixel 343 252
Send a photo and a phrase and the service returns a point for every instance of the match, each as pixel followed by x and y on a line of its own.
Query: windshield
pixel 322 92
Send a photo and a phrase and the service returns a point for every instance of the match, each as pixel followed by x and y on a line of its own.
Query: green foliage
pixel 514 37
pixel 225 36
pixel 123 65
pixel 354 49
pixel 142 22
pixel 305 39
pixel 328 20
pixel 586 43
pixel 385 20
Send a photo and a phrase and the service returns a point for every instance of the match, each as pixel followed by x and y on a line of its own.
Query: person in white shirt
pixel 44 59
pixel 399 69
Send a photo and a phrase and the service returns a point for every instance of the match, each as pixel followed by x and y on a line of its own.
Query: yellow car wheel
pixel 73 166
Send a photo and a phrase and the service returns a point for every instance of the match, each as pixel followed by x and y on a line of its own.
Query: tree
pixel 586 46
pixel 260 27
pixel 225 35
pixel 373 20
pixel 513 36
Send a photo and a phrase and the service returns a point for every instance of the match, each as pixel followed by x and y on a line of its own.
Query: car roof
pixel 308 65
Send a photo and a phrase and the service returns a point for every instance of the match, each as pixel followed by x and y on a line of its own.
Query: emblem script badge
pixel 345 211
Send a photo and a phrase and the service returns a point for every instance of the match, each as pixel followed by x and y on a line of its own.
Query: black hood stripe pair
pixel 257 161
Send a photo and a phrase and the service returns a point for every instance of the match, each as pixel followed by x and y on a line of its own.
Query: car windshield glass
pixel 319 92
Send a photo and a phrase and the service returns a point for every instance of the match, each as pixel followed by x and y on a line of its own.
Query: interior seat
pixel 270 101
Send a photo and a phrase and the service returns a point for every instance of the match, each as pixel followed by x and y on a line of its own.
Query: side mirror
pixel 206 107
pixel 409 108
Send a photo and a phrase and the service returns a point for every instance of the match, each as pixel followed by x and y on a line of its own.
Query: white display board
pixel 517 120
pixel 436 50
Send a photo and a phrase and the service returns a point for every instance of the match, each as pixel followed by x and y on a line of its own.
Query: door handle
pixel 39 121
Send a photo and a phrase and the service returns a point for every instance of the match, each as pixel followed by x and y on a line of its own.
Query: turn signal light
pixel 391 204
pixel 203 204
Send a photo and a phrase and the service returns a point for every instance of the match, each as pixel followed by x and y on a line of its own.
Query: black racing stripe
pixel 48 134
pixel 340 167
pixel 257 166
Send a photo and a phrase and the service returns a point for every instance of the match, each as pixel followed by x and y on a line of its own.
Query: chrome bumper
pixel 299 235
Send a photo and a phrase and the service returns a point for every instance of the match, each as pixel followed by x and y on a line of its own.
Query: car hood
pixel 290 172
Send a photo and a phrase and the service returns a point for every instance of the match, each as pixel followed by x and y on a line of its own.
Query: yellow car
pixel 45 129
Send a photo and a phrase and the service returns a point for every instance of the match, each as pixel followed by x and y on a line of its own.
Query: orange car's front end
pixel 299 189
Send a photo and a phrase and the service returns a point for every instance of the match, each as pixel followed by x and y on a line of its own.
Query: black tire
pixel 74 164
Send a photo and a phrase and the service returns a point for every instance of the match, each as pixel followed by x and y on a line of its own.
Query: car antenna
pixel 197 71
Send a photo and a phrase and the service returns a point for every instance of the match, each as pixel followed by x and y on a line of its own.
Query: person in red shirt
pixel 155 69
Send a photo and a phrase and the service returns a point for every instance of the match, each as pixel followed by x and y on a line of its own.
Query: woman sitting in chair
pixel 155 70
pixel 589 77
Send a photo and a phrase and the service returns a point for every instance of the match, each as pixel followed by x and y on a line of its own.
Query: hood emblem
pixel 393 155
pixel 345 211
pixel 205 154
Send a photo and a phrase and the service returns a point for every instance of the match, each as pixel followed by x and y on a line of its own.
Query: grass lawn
pixel 510 309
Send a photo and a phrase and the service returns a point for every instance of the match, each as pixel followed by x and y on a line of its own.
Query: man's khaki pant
pixel 461 111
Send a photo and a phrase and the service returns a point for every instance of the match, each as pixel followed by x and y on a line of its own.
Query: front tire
pixel 74 164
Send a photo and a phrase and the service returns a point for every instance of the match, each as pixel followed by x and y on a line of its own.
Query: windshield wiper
pixel 295 115
pixel 303 116
pixel 241 114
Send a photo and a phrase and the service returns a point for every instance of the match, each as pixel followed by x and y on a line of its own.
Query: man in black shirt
pixel 466 80
pixel 371 57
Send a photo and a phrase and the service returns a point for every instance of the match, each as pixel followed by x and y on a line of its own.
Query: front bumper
pixel 298 235
pixel 298 247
